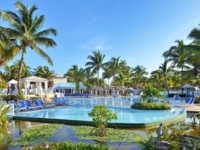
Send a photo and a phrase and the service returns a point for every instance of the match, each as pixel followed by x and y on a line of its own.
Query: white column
pixel 46 87
pixel 39 92
pixel 25 88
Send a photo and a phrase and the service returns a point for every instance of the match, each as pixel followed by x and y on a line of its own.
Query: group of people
pixel 10 89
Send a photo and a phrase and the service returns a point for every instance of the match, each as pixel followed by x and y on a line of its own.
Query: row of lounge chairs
pixel 24 105
pixel 188 102
pixel 60 101
pixel 80 95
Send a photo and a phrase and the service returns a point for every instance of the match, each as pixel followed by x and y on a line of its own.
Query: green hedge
pixel 68 146
pixel 150 106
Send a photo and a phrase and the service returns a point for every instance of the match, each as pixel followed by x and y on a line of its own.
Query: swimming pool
pixel 78 114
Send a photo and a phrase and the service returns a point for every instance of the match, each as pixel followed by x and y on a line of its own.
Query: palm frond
pixel 43 54
pixel 46 32
pixel 5 16
pixel 48 42
pixel 37 23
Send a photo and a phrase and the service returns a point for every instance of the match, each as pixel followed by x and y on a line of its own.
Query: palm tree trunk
pixel 166 82
pixel 182 76
pixel 98 77
pixel 20 72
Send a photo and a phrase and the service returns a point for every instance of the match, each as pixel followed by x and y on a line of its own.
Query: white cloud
pixel 96 44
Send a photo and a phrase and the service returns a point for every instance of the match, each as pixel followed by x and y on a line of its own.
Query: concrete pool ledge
pixel 119 125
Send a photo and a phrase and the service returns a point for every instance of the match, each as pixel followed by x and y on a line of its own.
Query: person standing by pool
pixel 8 90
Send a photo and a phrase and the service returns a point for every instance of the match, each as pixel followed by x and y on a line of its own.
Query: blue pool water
pixel 125 115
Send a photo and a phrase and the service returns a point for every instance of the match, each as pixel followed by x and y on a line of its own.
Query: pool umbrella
pixel 188 86
pixel 129 90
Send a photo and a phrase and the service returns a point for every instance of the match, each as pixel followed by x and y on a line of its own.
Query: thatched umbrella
pixel 109 90
pixel 119 88
pixel 138 87
pixel 96 89
pixel 129 90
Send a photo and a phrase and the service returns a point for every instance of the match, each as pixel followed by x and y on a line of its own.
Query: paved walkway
pixel 193 109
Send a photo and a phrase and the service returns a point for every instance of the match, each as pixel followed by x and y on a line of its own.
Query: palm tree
pixel 177 55
pixel 88 74
pixel 157 76
pixel 96 62
pixel 107 74
pixel 44 72
pixel 120 79
pixel 26 28
pixel 149 93
pixel 114 65
pixel 8 49
pixel 76 74
pixel 12 71
pixel 139 72
pixel 165 71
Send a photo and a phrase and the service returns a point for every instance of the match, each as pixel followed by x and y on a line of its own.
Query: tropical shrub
pixel 2 83
pixel 68 146
pixel 150 93
pixel 197 100
pixel 20 96
pixel 150 106
pixel 101 116
pixel 4 123
pixel 9 97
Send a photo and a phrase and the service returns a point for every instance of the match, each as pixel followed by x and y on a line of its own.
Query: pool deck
pixel 193 109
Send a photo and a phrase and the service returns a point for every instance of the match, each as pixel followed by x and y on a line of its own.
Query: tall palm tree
pixel 165 71
pixel 157 76
pixel 107 74
pixel 96 62
pixel 88 74
pixel 177 55
pixel 114 65
pixel 139 72
pixel 76 74
pixel 8 49
pixel 26 28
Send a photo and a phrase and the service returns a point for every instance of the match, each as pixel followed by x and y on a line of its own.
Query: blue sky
pixel 137 31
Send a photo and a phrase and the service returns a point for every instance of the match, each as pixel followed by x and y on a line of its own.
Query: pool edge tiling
pixel 79 116
pixel 119 125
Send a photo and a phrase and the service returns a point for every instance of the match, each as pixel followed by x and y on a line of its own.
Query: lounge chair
pixel 115 95
pixel 21 104
pixel 176 97
pixel 90 96
pixel 64 100
pixel 56 101
pixel 16 109
pixel 61 100
pixel 190 102
pixel 37 105
pixel 29 105
pixel 44 104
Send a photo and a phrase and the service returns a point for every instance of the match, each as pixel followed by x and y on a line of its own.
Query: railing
pixel 110 102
